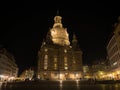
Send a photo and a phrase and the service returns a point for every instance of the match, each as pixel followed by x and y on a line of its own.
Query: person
pixel 4 84
pixel 91 81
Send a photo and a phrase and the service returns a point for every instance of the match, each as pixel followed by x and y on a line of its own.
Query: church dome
pixel 59 34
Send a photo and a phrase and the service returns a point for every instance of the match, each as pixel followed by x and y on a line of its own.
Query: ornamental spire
pixel 75 42
pixel 57 20
pixel 74 39
pixel 57 12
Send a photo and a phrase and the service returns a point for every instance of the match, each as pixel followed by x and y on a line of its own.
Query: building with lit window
pixel 57 57
pixel 27 74
pixel 113 50
pixel 8 66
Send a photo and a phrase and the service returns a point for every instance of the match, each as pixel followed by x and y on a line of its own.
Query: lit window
pixel 44 43
pixel 66 68
pixel 66 64
pixel 65 59
pixel 65 50
pixel 55 59
pixel 45 62
pixel 55 66
pixel 46 49
pixel 114 63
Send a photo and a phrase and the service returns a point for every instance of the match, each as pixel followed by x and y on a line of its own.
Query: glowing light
pixel 60 84
pixel 115 63
pixel 66 68
pixel 61 76
pixel 77 82
pixel 65 50
pixel 3 76
pixel 11 77
pixel 46 49
pixel 118 72
pixel 76 75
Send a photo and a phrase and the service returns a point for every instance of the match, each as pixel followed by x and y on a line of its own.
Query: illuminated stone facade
pixel 57 59
pixel 8 66
pixel 27 74
pixel 113 50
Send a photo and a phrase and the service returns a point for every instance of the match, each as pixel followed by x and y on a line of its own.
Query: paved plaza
pixel 59 85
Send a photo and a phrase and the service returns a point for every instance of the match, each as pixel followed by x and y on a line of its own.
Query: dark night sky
pixel 25 24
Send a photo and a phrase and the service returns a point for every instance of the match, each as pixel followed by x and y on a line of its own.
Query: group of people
pixel 91 81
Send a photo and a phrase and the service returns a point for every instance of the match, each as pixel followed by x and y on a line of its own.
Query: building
pixel 113 50
pixel 86 72
pixel 57 57
pixel 8 66
pixel 27 74
pixel 100 69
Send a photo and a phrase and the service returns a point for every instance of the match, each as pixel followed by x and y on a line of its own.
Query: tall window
pixel 65 63
pixel 55 59
pixel 55 63
pixel 55 66
pixel 45 62
pixel 65 50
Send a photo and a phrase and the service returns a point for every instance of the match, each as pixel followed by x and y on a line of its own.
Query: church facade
pixel 58 59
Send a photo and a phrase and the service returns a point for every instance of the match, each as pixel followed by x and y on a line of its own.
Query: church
pixel 58 59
